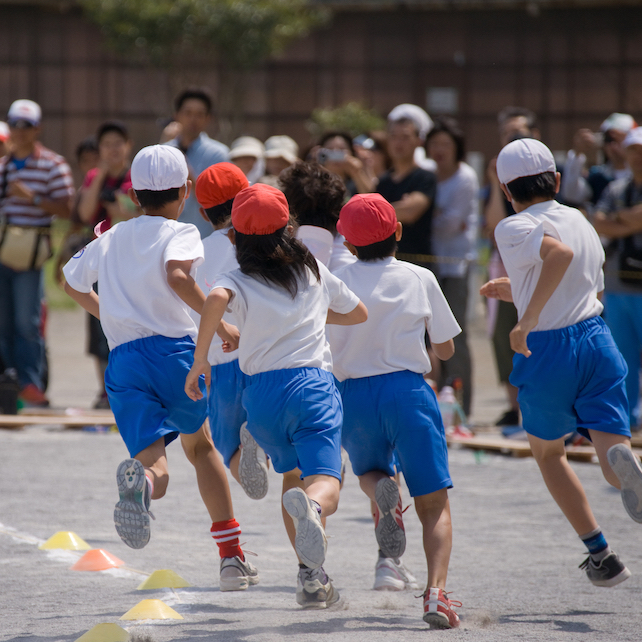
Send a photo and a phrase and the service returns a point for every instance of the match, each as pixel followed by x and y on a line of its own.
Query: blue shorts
pixel 225 410
pixel 145 383
pixel 573 380
pixel 396 414
pixel 295 415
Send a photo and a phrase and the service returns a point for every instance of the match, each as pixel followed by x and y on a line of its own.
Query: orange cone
pixel 97 560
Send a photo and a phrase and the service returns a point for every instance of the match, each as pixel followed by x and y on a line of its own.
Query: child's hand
pixel 230 335
pixel 192 389
pixel 519 334
pixel 498 289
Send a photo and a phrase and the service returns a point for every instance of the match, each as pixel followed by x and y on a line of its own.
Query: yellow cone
pixel 66 540
pixel 105 633
pixel 151 610
pixel 163 579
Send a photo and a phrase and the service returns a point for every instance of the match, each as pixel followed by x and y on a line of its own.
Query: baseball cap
pixel 524 157
pixel 416 114
pixel 218 184
pixel 4 131
pixel 246 146
pixel 282 147
pixel 366 219
pixel 24 110
pixel 619 122
pixel 260 209
pixel 634 137
pixel 158 168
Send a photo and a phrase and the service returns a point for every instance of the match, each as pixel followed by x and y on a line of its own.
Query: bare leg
pixel 234 465
pixel 154 460
pixel 210 474
pixel 563 484
pixel 434 514
pixel 324 490
pixel 511 393
pixel 602 442
pixel 291 479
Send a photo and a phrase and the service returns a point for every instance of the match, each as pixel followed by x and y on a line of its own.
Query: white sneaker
pixel 314 589
pixel 253 470
pixel 236 574
pixel 310 542
pixel 626 466
pixel 392 575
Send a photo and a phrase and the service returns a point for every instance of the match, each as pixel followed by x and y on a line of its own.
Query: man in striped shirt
pixel 36 185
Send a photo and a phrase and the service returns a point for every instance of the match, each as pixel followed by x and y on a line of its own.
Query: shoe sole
pixel 130 517
pixel 331 597
pixel 438 621
pixel 614 581
pixel 390 536
pixel 240 583
pixel 252 472
pixel 625 465
pixel 310 541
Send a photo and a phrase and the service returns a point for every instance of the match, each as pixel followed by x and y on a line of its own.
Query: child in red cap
pixel 282 298
pixel 390 412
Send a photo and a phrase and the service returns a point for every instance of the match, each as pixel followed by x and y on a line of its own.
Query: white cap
pixel 416 114
pixel 524 157
pixel 282 147
pixel 4 131
pixel 246 146
pixel 158 168
pixel 24 109
pixel 618 122
pixel 634 137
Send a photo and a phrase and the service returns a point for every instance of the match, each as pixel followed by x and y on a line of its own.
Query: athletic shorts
pixel 225 409
pixel 295 415
pixel 396 414
pixel 145 383
pixel 573 380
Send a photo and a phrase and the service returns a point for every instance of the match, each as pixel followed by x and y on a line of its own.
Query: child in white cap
pixel 568 370
pixel 146 267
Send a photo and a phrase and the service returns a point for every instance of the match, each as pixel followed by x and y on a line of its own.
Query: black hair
pixel 156 200
pixel 380 140
pixel 508 113
pixel 276 258
pixel 199 93
pixel 219 213
pixel 380 250
pixel 405 121
pixel 88 144
pixel 113 126
pixel 527 188
pixel 447 125
pixel 338 134
pixel 314 194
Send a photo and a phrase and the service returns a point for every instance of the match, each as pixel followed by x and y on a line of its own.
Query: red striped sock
pixel 226 535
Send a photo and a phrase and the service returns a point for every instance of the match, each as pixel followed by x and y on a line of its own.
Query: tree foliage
pixel 352 117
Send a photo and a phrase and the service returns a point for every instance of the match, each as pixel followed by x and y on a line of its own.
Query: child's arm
pixel 556 258
pixel 211 317
pixel 180 280
pixel 358 315
pixel 87 300
pixel 498 289
pixel 443 351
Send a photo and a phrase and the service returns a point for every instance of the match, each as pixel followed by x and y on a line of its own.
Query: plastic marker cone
pixel 97 560
pixel 65 540
pixel 163 579
pixel 151 610
pixel 105 633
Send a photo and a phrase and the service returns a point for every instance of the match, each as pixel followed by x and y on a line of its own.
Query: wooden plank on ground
pixel 68 421
pixel 513 447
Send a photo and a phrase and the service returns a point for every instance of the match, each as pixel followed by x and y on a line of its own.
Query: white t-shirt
pixel 325 248
pixel 519 240
pixel 220 257
pixel 403 301
pixel 279 332
pixel 130 262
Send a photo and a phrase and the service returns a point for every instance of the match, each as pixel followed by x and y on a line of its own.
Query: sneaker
pixel 509 418
pixel 314 589
pixel 459 432
pixel 131 514
pixel 32 396
pixel 310 542
pixel 253 470
pixel 439 611
pixel 237 574
pixel 392 575
pixel 626 466
pixel 608 572
pixel 389 529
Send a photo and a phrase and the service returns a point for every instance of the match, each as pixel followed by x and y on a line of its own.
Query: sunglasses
pixel 20 124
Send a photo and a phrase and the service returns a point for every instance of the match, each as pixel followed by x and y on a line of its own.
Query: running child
pixel 390 412
pixel 145 267
pixel 216 188
pixel 282 298
pixel 568 370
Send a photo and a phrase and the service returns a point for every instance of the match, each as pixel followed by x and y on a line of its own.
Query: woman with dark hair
pixel 454 237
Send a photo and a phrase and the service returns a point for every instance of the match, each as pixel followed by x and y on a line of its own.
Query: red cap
pixel 218 184
pixel 260 209
pixel 366 219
